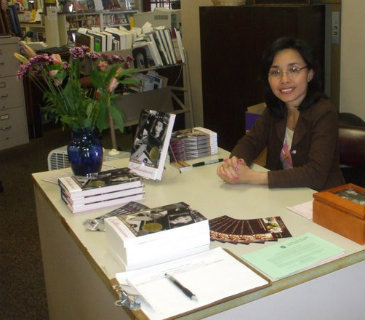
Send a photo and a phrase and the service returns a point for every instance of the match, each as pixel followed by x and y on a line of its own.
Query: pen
pixel 204 163
pixel 199 164
pixel 185 290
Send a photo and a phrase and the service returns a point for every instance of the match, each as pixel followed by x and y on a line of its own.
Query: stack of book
pixel 107 188
pixel 193 143
pixel 151 236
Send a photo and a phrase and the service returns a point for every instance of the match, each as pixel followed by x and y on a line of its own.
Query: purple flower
pixel 22 71
pixel 117 58
pixel 78 52
pixel 94 55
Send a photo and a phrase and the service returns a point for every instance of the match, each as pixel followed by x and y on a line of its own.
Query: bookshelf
pixel 101 19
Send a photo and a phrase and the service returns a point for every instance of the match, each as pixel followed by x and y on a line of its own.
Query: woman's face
pixel 288 77
pixel 158 128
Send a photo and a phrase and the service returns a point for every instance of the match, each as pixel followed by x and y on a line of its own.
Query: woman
pixel 299 126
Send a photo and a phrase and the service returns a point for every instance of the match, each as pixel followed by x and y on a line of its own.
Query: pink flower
pixel 119 71
pixel 102 65
pixel 56 58
pixel 53 73
pixel 112 85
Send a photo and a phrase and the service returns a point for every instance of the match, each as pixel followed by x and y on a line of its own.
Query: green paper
pixel 291 256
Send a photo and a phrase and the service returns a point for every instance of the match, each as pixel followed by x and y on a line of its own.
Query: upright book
pixel 149 150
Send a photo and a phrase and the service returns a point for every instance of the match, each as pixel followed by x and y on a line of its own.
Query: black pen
pixel 185 290
pixel 201 163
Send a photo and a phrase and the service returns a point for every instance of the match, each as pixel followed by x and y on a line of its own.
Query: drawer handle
pixel 2 63
pixel 3 84
pixel 4 96
pixel 5 128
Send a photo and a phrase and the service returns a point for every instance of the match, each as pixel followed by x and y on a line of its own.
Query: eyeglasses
pixel 292 72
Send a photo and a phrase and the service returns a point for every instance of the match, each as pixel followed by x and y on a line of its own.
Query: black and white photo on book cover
pixel 149 150
pixel 161 218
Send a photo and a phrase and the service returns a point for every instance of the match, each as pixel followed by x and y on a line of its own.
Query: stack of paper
pixel 152 236
pixel 107 188
pixel 193 143
pixel 205 275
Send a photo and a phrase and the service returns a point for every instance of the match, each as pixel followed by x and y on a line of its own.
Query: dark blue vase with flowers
pixel 85 152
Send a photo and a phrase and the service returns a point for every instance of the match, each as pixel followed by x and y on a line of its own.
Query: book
pixel 103 203
pixel 155 235
pixel 103 196
pixel 192 143
pixel 161 47
pixel 97 224
pixel 170 45
pixel 180 45
pixel 103 182
pixel 292 256
pixel 150 146
pixel 161 34
pixel 212 276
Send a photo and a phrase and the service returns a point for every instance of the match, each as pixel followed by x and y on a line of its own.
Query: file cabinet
pixel 13 119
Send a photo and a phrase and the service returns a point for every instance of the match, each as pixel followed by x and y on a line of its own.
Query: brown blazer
pixel 314 150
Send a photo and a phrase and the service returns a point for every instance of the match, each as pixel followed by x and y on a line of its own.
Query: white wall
pixel 352 80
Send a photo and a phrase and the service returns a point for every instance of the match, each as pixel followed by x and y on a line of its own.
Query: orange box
pixel 342 210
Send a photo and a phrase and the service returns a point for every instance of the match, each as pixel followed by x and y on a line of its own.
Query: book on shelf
pixel 211 277
pixel 150 146
pixel 180 45
pixel 155 235
pixel 76 187
pixel 162 37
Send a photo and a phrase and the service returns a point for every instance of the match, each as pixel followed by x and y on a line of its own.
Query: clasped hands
pixel 235 170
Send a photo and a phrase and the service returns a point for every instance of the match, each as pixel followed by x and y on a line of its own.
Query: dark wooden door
pixel 232 43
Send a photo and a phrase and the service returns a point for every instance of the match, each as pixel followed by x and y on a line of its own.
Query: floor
pixel 22 288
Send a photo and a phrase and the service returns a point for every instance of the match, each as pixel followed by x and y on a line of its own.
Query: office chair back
pixel 352 148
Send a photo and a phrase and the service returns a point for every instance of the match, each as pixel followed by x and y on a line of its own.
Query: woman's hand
pixel 236 171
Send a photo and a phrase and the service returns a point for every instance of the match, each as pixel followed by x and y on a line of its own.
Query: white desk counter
pixel 78 267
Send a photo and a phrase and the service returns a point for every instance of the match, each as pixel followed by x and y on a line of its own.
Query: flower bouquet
pixel 81 103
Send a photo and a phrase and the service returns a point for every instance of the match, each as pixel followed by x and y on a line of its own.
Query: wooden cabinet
pixel 13 120
pixel 232 43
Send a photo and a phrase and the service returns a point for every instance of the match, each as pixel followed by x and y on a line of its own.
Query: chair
pixel 352 148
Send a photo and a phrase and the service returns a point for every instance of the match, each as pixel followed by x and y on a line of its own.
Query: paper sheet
pixel 304 209
pixel 292 256
pixel 204 274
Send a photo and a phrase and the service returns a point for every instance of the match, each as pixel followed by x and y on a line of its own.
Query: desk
pixel 78 267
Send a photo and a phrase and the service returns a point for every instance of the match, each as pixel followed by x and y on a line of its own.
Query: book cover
pixel 149 150
pixel 160 219
pixel 102 182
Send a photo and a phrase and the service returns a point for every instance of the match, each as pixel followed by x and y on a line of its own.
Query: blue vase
pixel 85 152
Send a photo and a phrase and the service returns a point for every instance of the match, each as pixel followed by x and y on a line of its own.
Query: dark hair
pixel 314 92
